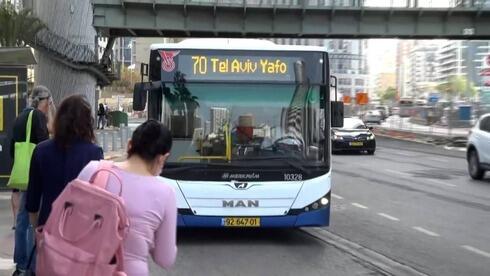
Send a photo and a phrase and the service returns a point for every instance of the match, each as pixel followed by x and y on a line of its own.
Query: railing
pixel 77 56
pixel 77 53
pixel 345 3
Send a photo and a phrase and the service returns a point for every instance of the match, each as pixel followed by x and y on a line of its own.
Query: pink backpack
pixel 84 233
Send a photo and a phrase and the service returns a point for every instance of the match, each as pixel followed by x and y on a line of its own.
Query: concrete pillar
pixel 73 21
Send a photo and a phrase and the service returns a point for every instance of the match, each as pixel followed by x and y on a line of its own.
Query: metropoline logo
pixel 242 176
pixel 168 63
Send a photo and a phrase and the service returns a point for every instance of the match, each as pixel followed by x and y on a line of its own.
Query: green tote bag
pixel 19 177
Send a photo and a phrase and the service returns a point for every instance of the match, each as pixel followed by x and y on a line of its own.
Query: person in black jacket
pixel 40 104
pixel 101 114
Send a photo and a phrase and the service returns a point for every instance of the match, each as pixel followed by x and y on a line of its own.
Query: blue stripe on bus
pixel 313 218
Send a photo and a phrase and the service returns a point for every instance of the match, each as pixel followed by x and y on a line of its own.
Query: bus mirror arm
pixel 139 96
pixel 337 107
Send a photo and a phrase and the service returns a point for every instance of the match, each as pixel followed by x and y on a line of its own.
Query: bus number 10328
pixel 293 177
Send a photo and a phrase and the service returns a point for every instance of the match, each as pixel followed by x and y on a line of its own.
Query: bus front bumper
pixel 315 218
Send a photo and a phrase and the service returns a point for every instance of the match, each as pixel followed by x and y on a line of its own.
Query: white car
pixel 478 150
pixel 373 116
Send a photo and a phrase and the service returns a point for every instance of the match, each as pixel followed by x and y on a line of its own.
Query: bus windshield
pixel 243 124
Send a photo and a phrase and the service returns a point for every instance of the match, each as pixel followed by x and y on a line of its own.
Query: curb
pixel 384 264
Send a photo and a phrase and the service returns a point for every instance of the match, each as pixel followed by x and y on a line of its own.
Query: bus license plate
pixel 241 222
pixel 356 144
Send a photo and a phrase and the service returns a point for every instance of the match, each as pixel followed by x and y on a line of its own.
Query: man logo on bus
pixel 168 63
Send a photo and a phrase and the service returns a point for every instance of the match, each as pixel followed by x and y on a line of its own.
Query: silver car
pixel 372 116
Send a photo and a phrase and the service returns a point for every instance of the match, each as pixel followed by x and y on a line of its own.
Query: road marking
pixel 6 264
pixel 359 205
pixel 388 217
pixel 397 172
pixel 439 159
pixel 476 250
pixel 425 231
pixel 431 180
pixel 441 183
pixel 337 196
pixel 404 154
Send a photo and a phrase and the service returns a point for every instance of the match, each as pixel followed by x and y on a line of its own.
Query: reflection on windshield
pixel 234 122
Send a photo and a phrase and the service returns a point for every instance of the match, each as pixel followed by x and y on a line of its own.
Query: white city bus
pixel 251 123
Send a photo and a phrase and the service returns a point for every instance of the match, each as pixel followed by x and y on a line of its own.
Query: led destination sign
pixel 200 67
pixel 203 67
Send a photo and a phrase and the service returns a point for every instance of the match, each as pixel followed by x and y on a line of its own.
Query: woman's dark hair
pixel 149 140
pixel 74 121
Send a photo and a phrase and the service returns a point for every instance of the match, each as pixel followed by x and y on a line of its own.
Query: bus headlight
pixel 324 201
pixel 320 203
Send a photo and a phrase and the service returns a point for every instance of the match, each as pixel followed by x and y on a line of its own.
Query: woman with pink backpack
pixel 149 203
pixel 57 161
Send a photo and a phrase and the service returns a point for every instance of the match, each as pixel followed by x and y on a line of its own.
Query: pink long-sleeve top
pixel 151 208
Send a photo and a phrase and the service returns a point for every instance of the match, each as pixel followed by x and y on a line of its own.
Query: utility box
pixel 117 118
pixel 465 112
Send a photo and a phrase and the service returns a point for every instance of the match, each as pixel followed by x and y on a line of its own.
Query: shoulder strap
pixel 29 127
pixel 102 178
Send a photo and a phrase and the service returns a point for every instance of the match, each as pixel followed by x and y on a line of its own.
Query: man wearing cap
pixel 40 99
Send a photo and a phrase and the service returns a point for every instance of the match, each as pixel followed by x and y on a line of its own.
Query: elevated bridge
pixel 414 19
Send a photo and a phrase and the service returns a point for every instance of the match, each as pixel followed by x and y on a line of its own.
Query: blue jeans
pixel 24 236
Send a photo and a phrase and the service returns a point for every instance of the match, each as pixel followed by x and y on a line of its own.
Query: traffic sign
pixel 362 98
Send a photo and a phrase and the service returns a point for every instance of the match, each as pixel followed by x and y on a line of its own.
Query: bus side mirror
pixel 139 96
pixel 337 114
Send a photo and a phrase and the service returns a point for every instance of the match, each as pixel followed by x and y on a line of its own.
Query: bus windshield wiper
pixel 293 161
pixel 191 166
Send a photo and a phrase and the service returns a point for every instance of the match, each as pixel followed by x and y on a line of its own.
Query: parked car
pixel 353 136
pixel 478 150
pixel 385 111
pixel 373 116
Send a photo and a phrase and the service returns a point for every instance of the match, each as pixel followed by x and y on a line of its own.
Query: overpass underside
pixel 185 18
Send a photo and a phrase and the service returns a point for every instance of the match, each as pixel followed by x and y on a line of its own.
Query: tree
pixel 389 94
pixel 125 84
pixel 457 86
pixel 17 29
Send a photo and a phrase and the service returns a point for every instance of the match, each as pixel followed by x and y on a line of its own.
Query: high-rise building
pixel 219 117
pixel 122 51
pixel 403 66
pixel 462 58
pixel 349 64
pixel 347 61
pixel 422 63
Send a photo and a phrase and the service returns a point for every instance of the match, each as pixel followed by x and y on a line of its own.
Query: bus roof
pixel 234 44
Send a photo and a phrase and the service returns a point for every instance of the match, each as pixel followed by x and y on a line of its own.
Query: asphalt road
pixel 410 209
pixel 418 208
